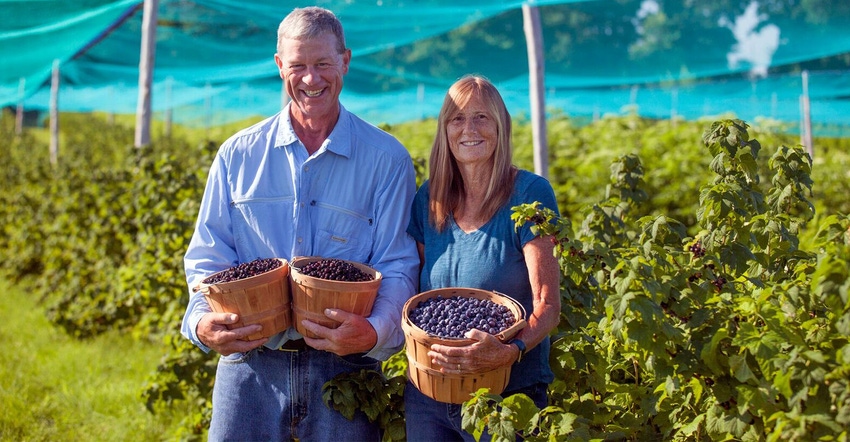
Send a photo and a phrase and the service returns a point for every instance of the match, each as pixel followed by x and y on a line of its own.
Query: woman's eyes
pixel 462 118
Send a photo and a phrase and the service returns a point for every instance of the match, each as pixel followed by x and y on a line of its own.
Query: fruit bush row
pixel 701 300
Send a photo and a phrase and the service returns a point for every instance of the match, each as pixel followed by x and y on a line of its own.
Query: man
pixel 313 180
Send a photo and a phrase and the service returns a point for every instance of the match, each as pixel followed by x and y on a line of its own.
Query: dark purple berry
pixel 244 270
pixel 454 316
pixel 335 270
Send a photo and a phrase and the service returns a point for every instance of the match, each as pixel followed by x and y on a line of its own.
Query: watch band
pixel 520 345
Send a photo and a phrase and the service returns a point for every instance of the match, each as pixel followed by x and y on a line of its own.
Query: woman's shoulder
pixel 529 182
pixel 422 194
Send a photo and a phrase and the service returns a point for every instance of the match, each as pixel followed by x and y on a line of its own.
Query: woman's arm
pixel 489 353
pixel 544 274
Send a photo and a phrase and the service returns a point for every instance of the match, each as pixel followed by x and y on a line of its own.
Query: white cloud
pixel 755 44
pixel 647 8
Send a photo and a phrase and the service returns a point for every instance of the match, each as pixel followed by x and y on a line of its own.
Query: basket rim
pixel 206 287
pixel 503 336
pixel 295 272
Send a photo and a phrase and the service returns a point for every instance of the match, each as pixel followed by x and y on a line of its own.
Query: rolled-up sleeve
pixel 395 256
pixel 211 248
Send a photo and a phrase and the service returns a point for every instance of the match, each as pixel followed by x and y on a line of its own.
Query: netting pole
pixel 146 62
pixel 110 117
pixel 54 115
pixel 536 87
pixel 807 117
pixel 208 106
pixel 168 106
pixel 674 103
pixel 19 112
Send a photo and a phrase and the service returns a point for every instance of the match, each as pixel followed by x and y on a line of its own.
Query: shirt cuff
pixel 189 328
pixel 390 340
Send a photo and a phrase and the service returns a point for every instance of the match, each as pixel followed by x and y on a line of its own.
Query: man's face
pixel 312 71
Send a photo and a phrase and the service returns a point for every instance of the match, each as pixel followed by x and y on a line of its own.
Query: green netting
pixel 658 58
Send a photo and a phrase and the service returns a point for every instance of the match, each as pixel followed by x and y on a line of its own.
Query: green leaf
pixel 693 426
pixel 501 425
pixel 562 423
pixel 721 424
pixel 740 369
pixel 523 410
pixel 696 387
pixel 711 354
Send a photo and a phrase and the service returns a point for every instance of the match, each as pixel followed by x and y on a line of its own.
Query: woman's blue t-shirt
pixel 489 258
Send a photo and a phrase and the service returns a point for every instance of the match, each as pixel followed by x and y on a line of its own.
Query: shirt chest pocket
pixel 342 232
pixel 258 224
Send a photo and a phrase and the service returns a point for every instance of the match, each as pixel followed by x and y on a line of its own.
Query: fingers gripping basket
pixel 260 299
pixel 311 295
pixel 454 388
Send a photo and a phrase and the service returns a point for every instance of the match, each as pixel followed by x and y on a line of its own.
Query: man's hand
pixel 354 335
pixel 213 332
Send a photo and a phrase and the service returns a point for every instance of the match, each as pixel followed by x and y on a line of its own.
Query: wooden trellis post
pixel 146 62
pixel 536 87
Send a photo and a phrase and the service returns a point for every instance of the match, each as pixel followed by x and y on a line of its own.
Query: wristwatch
pixel 520 345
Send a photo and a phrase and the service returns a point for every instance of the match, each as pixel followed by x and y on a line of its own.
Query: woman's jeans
pixel 430 421
pixel 274 395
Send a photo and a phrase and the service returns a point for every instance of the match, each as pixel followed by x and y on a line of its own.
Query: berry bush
pixel 704 288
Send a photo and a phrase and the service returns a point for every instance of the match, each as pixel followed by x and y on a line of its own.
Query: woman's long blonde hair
pixel 447 192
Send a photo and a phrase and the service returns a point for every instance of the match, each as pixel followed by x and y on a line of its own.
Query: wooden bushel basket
pixel 261 299
pixel 454 388
pixel 311 295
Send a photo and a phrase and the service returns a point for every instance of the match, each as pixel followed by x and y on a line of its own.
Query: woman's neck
pixel 476 180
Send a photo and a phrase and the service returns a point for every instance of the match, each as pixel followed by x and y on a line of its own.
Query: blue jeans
pixel 427 420
pixel 271 395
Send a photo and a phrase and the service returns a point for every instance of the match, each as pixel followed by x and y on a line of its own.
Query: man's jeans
pixel 273 395
pixel 430 421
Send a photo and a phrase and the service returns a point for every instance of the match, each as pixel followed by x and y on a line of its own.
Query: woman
pixel 461 220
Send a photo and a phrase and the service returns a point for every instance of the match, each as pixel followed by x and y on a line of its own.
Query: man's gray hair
pixel 310 22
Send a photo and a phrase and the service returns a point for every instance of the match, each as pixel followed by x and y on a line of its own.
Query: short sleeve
pixel 534 188
pixel 419 214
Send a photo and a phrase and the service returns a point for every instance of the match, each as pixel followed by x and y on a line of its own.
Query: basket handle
pixel 518 325
pixel 205 288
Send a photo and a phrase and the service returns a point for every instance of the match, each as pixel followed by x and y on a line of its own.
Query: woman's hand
pixel 487 353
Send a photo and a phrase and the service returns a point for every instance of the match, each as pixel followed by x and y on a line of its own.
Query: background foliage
pixel 705 274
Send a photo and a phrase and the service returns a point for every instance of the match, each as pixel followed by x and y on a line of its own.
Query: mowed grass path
pixel 56 388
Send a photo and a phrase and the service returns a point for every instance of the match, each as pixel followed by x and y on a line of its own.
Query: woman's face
pixel 313 70
pixel 472 133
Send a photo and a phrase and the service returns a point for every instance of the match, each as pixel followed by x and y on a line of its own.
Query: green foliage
pixel 700 301
pixel 734 333
pixel 58 388
pixel 370 392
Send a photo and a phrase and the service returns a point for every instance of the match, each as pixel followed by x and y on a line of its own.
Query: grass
pixel 56 388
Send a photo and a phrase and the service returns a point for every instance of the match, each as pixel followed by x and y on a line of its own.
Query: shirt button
pixel 306 168
pixel 302 204
pixel 300 240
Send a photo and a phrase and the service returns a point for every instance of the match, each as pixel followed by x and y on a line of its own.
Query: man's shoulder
pixel 248 136
pixel 367 134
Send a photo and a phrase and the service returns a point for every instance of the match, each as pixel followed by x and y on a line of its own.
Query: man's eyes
pixel 299 67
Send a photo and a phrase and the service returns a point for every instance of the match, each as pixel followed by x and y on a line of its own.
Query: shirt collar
pixel 338 142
